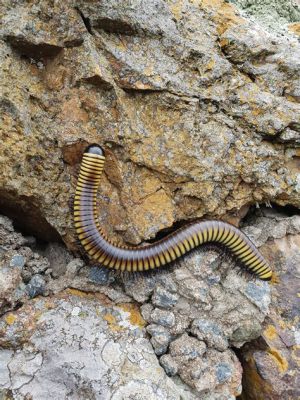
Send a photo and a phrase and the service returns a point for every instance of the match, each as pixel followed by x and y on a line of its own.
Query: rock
pixel 197 108
pixel 270 364
pixel 86 337
pixel 163 317
pixel 223 372
pixel 210 332
pixel 168 364
pixel 196 366
pixel 36 286
pixel 275 16
pixel 20 269
pixel 152 19
pixel 164 298
pixel 17 261
pixel 146 310
pixel 100 275
pixel 12 288
pixel 140 288
pixel 187 348
pixel 35 264
pixel 58 258
pixel 42 31
pixel 63 88
pixel 160 338
pixel 290 135
pixel 73 267
pixel 8 237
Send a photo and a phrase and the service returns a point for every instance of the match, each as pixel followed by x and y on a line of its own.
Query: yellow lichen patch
pixel 225 14
pixel 37 315
pixel 79 293
pixel 282 324
pixel 275 278
pixel 111 319
pixel 280 361
pixel 270 332
pixel 224 42
pixel 210 65
pixel 135 317
pixel 112 322
pixel 88 295
pixel 176 10
pixel 295 28
pixel 10 319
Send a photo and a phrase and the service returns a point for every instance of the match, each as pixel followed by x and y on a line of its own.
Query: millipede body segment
pixel 162 252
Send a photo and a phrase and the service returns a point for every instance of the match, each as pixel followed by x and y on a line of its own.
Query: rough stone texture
pixel 195 313
pixel 210 301
pixel 271 364
pixel 276 15
pixel 200 365
pixel 76 346
pixel 18 263
pixel 198 110
pixel 141 78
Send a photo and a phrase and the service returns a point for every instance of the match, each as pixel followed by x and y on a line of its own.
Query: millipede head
pixel 95 149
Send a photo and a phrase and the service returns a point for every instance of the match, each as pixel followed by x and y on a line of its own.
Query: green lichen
pixel 274 14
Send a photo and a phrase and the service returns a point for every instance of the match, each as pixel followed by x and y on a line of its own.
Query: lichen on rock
pixel 197 107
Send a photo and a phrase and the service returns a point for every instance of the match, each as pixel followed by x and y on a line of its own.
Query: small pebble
pixel 17 261
pixel 223 372
pixel 169 364
pixel 36 286
pixel 163 317
pixel 160 338
pixel 99 275
pixel 163 298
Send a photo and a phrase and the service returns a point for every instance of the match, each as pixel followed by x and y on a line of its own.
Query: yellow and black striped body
pixel 162 252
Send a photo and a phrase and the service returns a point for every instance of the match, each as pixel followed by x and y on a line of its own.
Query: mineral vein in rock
pixel 162 252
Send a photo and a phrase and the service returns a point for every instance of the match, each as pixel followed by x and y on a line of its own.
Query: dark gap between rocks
pixel 264 211
pixel 31 50
pixel 27 217
pixel 86 21
pixel 166 231
pixel 254 211
pixel 247 379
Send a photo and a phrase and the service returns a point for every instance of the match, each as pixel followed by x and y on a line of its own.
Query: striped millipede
pixel 162 252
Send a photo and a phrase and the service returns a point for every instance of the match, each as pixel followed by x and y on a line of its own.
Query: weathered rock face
pixel 142 78
pixel 193 313
pixel 198 111
pixel 271 364
pixel 278 15
pixel 80 346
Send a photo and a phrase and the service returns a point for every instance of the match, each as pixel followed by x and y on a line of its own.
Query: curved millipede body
pixel 162 252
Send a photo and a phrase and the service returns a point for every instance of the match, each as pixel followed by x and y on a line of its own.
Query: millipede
pixel 163 252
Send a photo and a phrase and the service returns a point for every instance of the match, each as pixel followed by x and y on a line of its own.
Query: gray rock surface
pixel 271 363
pixel 201 106
pixel 193 313
pixel 80 347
